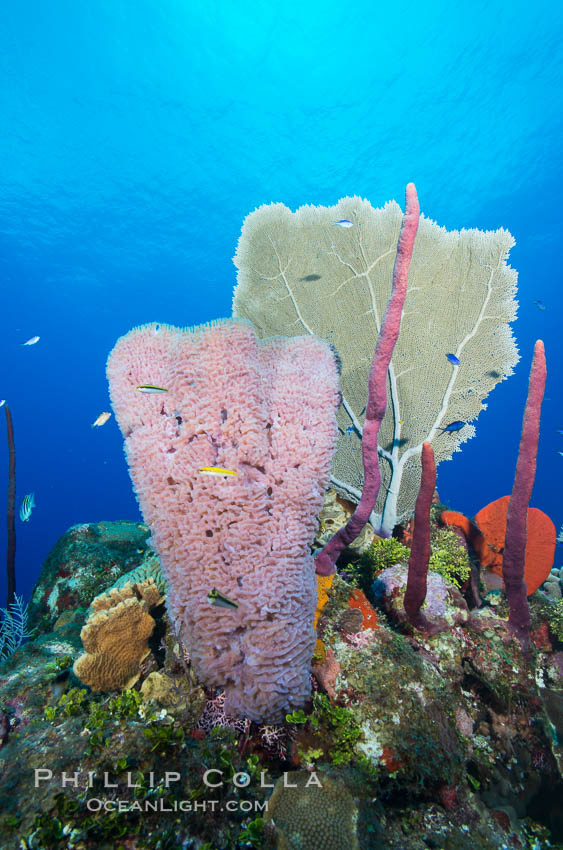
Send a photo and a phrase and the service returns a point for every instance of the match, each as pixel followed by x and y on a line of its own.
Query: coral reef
pixel 434 738
pixel 414 721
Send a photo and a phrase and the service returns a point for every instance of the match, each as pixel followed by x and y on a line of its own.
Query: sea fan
pixel 13 627
pixel 298 274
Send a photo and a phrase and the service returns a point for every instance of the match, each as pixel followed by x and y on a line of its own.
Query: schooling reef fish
pixel 453 359
pixel 215 470
pixel 150 388
pixel 28 503
pixel 453 426
pixel 220 600
pixel 101 420
pixel 31 341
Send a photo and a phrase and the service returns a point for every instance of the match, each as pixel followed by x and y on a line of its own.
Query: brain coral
pixel 266 411
pixel 297 273
pixel 312 816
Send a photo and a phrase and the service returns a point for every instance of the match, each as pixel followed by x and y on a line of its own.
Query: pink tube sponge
pixel 515 540
pixel 267 411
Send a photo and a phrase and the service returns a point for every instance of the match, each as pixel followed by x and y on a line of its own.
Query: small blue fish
pixel 539 304
pixel 27 505
pixel 453 359
pixel 453 426
pixel 350 429
pixel 560 430
pixel 560 453
pixel 344 222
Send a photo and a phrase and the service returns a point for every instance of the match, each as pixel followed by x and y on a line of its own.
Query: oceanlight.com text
pixel 94 804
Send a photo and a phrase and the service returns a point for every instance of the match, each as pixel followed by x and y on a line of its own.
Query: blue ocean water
pixel 136 138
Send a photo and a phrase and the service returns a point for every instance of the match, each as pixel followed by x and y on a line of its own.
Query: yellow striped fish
pixel 215 470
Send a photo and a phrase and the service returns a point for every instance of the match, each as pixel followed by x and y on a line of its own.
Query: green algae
pixel 449 558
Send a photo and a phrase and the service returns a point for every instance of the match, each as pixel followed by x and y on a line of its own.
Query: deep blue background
pixel 137 136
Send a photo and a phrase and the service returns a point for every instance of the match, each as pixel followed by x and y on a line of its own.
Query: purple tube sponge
pixel 420 549
pixel 515 540
pixel 377 390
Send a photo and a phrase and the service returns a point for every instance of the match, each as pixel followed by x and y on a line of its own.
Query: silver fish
pixel 27 505
pixel 344 222
pixel 31 341
pixel 102 419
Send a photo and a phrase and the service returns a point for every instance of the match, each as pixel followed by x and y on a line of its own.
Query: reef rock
pixel 84 562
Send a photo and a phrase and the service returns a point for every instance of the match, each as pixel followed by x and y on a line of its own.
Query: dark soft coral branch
pixel 325 560
pixel 11 511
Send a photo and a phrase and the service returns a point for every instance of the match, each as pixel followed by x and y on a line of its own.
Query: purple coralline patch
pixel 443 601
pixel 84 562
pixel 556 660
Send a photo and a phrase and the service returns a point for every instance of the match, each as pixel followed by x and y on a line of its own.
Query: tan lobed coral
pixel 115 636
pixel 318 812
pixel 298 273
